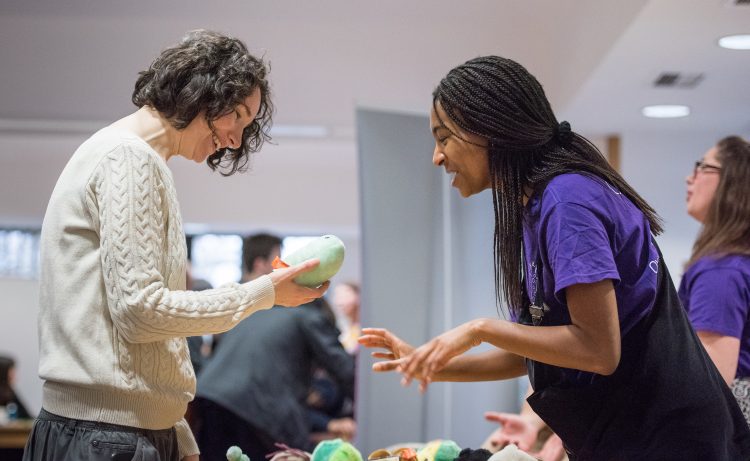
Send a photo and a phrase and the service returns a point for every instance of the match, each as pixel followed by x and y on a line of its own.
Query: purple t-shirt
pixel 583 230
pixel 716 295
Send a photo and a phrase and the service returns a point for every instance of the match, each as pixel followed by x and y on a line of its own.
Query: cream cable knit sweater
pixel 113 307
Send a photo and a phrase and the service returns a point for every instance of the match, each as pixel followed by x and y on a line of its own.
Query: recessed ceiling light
pixel 666 111
pixel 735 42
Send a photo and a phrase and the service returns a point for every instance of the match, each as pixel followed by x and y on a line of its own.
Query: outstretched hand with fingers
pixel 289 293
pixel 433 356
pixel 513 428
pixel 395 347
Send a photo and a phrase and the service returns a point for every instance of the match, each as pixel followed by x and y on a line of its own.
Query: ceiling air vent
pixel 678 80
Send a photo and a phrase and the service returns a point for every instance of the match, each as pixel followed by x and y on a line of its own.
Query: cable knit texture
pixel 114 312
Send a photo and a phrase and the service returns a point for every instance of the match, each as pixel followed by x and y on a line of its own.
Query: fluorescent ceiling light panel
pixel 735 42
pixel 666 111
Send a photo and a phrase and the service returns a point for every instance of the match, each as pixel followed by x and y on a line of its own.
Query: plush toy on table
pixel 335 450
pixel 435 450
pixel 286 453
pixel 329 249
pixel 406 454
pixel 380 453
pixel 397 454
pixel 439 450
pixel 468 454
pixel 235 454
pixel 511 453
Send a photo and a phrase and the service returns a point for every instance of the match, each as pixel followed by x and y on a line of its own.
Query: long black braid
pixel 498 99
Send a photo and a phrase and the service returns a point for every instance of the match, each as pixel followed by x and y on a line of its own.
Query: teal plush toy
pixel 329 249
pixel 336 450
pixel 235 454
pixel 439 450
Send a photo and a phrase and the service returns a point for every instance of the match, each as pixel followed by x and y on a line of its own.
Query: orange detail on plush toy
pixel 406 454
pixel 277 263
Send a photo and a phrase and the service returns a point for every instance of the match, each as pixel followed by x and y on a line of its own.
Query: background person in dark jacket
pixel 252 391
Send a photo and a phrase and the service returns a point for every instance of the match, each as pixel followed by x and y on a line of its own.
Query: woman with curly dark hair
pixel 114 312
pixel 616 369
pixel 715 289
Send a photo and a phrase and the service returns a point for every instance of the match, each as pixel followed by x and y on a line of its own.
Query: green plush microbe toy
pixel 235 454
pixel 329 249
pixel 336 450
pixel 439 450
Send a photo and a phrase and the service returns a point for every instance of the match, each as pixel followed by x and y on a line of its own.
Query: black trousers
pixel 55 438
pixel 220 429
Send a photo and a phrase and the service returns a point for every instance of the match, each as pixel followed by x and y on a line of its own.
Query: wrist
pixel 478 328
pixel 534 421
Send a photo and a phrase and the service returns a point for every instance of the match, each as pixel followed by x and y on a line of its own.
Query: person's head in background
pixel 718 196
pixel 215 94
pixel 7 379
pixel 495 129
pixel 258 252
pixel 346 301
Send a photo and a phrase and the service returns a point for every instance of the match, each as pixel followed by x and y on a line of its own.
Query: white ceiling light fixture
pixel 666 111
pixel 735 42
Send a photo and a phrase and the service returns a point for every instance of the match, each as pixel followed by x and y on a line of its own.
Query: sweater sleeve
pixel 129 204
pixel 186 443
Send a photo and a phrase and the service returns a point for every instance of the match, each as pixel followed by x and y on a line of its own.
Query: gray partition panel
pixel 399 218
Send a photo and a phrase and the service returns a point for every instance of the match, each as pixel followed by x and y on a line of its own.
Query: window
pixel 19 253
pixel 216 258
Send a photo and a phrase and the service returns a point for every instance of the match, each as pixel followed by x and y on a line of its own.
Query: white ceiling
pixel 671 36
pixel 78 60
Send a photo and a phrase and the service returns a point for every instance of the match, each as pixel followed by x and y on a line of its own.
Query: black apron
pixel 665 401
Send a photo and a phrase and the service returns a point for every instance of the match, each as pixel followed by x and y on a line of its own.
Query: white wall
pixel 656 165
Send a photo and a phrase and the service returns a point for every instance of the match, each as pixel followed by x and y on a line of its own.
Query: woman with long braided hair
pixel 617 371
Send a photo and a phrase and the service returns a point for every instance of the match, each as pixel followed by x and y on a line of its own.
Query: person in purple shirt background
pixel 617 371
pixel 715 289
